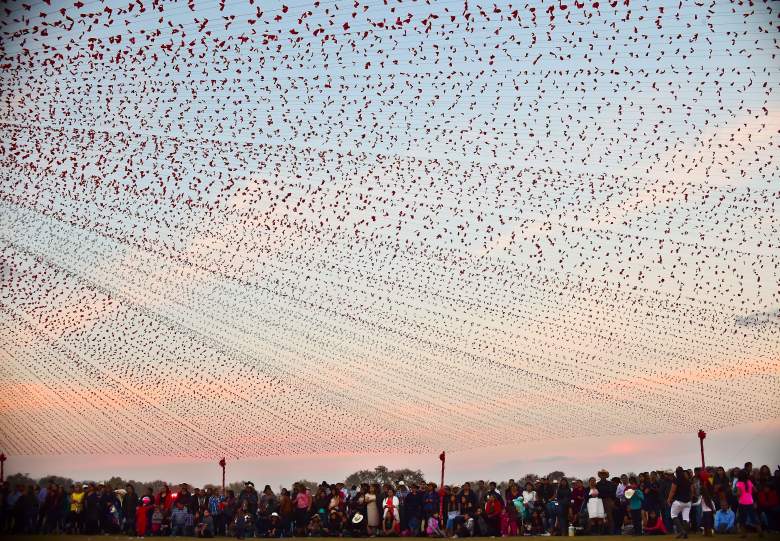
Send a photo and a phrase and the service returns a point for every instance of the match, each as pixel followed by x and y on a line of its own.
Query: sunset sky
pixel 317 238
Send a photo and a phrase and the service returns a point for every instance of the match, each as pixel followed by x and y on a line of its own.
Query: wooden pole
pixel 442 492
pixel 702 435
pixel 222 465
pixel 2 467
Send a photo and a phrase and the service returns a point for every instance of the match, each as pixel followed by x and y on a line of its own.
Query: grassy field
pixel 769 537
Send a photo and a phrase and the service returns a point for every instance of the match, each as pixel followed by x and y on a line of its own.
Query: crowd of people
pixel 710 500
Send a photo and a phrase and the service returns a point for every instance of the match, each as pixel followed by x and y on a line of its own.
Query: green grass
pixel 767 537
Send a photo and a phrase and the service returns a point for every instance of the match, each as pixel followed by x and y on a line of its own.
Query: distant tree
pixel 556 475
pixel 532 477
pixel 20 479
pixel 61 481
pixel 382 475
pixel 235 486
pixel 311 485
pixel 408 476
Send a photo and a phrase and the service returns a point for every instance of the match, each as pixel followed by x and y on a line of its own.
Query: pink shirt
pixel 302 500
pixel 745 494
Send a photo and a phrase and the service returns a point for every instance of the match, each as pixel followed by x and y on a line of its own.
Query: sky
pixel 337 232
pixel 582 457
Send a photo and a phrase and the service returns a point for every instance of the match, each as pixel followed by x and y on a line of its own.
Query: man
pixel 75 509
pixel 606 490
pixel 184 495
pixel 430 502
pixel 401 493
pixel 413 507
pixel 481 491
pixel 201 498
pixel 215 510
pixel 92 510
pixel 492 489
pixel 621 505
pixel 249 495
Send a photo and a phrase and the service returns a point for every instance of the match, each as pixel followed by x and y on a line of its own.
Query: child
pixel 433 529
pixel 654 525
pixel 724 519
pixel 157 520
pixel 140 516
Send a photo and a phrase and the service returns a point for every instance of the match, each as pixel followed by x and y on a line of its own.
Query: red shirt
pixel 768 498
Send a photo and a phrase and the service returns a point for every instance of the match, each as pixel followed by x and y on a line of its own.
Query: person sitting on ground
pixel 314 528
pixel 724 519
pixel 205 527
pixel 433 529
pixel 275 526
pixel 654 525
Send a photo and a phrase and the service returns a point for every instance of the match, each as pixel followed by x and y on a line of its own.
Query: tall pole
pixel 702 435
pixel 2 467
pixel 442 492
pixel 222 465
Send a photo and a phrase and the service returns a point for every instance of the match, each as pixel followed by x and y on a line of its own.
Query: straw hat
pixel 357 518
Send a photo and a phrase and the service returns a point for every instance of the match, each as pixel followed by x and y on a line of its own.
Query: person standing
pixel 563 497
pixel 747 506
pixel 634 499
pixel 372 512
pixel 129 507
pixel 607 490
pixel 680 501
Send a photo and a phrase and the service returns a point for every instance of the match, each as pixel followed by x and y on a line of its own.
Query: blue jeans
pixel 666 515
pixel 696 515
pixel 177 530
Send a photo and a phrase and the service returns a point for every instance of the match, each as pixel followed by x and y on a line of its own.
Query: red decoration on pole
pixel 3 458
pixel 702 435
pixel 222 464
pixel 442 492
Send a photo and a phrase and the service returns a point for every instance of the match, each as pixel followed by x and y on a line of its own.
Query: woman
pixel 391 518
pixel 680 501
pixel 707 508
pixel 634 499
pixel 529 498
pixel 286 512
pixel 372 512
pixel 493 509
pixel 129 505
pixel 577 500
pixel 303 505
pixel 747 515
pixel 595 507
pixel 563 497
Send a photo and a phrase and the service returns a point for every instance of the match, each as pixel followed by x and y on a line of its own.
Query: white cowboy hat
pixel 357 518
pixel 629 493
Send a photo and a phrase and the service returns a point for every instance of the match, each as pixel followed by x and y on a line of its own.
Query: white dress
pixel 595 506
